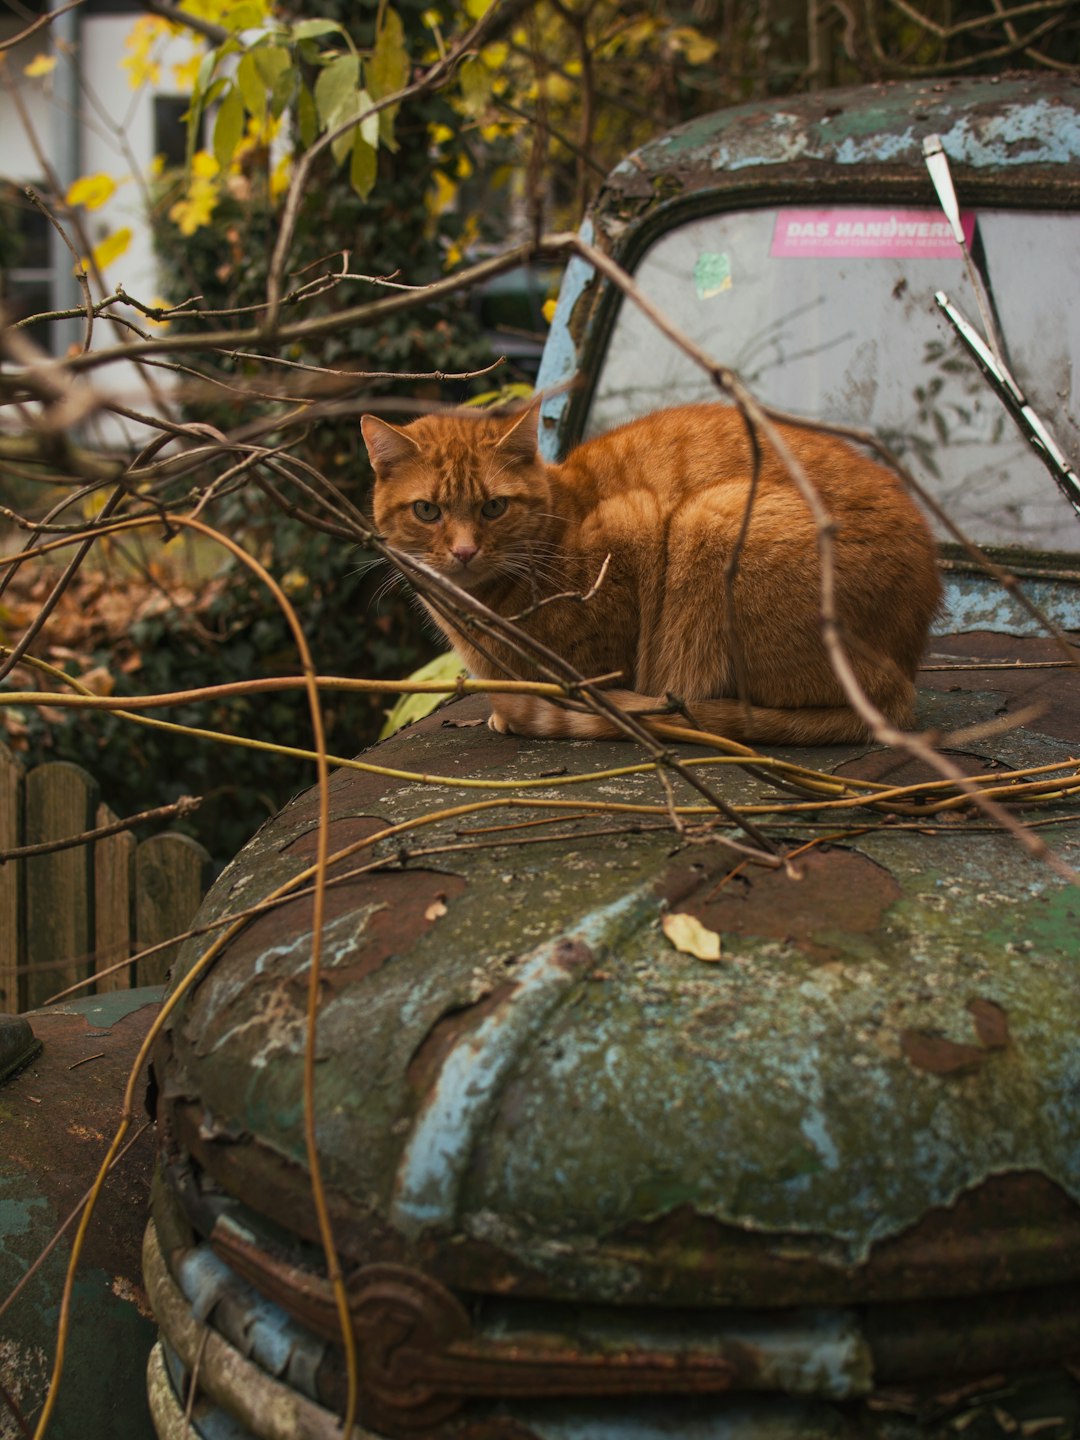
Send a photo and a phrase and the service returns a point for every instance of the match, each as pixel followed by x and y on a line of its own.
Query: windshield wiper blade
pixel 1001 381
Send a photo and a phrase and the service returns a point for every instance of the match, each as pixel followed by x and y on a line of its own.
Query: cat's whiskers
pixel 367 563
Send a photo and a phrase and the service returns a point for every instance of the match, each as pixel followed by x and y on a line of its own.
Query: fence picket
pixel 60 802
pixel 70 914
pixel 114 901
pixel 171 873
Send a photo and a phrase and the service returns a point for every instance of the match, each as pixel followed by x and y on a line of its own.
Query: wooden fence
pixel 72 913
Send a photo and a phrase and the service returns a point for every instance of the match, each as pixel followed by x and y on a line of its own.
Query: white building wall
pixel 114 134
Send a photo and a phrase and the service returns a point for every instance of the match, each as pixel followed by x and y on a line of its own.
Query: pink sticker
pixel 895 234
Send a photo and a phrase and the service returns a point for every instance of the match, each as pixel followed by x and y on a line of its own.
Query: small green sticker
pixel 712 275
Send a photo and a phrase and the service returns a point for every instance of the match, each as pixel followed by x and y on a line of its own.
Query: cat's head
pixel 467 494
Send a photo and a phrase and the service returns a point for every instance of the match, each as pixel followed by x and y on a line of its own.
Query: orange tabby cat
pixel 665 497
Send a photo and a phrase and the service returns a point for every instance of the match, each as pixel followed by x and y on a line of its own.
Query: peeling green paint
pixel 770 1093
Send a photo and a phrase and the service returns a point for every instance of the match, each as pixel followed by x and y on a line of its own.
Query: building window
pixel 170 128
pixel 26 276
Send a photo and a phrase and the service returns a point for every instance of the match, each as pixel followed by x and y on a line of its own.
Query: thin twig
pixel 38 24
pixel 186 805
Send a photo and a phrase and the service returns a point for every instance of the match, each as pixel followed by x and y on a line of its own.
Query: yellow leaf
pixel 697 48
pixel 203 165
pixel 194 211
pixel 475 8
pixel 461 246
pixel 281 178
pixel 440 134
pixel 91 191
pixel 141 71
pixel 559 88
pixel 185 72
pixel 157 304
pixel 549 310
pixel 112 247
pixel 40 65
pixel 442 194
pixel 689 936
pixel 475 86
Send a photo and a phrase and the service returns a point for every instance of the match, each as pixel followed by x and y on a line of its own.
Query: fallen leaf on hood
pixel 940 1056
pixel 690 936
pixel 991 1023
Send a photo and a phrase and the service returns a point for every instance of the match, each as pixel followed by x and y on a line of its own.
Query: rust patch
pixel 991 1023
pixel 571 953
pixel 268 959
pixel 1014 1231
pixel 840 890
pixel 344 831
pixel 939 1055
pixel 55 1119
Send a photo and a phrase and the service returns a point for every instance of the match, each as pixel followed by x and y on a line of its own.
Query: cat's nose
pixel 464 553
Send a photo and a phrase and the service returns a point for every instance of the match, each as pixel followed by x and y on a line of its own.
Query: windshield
pixel 830 314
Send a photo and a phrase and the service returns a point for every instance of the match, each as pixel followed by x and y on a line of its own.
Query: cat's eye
pixel 493 508
pixel 426 510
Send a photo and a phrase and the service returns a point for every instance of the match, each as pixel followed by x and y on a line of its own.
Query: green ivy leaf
pixel 282 93
pixel 272 61
pixel 244 17
pixel 228 127
pixel 251 85
pixel 369 125
pixel 388 70
pixel 310 29
pixel 206 69
pixel 334 88
pixel 475 81
pixel 198 102
pixel 364 164
pixel 354 107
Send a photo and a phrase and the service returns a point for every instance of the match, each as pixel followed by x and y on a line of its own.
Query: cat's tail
pixel 754 724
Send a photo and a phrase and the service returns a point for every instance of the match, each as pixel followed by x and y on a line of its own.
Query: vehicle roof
pixel 1012 141
pixel 989 127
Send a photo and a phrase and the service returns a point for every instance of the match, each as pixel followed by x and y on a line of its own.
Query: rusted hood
pixel 523 1084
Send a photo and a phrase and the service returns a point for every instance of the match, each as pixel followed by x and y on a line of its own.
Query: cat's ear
pixel 386 444
pixel 520 440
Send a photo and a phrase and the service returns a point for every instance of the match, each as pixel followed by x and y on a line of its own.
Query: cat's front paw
pixel 497 723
